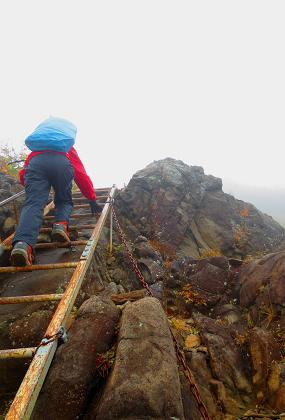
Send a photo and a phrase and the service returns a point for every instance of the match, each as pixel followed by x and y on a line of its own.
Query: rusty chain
pixel 179 352
pixel 61 334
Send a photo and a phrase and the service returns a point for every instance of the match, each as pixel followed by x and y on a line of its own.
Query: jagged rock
pixel 187 209
pixel 230 313
pixel 144 383
pixel 264 350
pixel 203 377
pixel 211 281
pixel 144 250
pixel 69 381
pixel 228 367
pixel 262 280
pixel 276 386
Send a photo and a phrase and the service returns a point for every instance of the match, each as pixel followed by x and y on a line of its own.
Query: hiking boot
pixel 22 254
pixel 59 232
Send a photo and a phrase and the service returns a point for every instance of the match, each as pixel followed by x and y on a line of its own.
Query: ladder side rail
pixel 26 397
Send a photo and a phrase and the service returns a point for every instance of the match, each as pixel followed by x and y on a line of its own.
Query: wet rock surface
pixel 144 382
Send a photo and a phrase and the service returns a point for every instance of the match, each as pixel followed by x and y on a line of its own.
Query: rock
pixel 144 250
pixel 73 370
pixel 152 270
pixel 110 289
pixel 181 206
pixel 202 375
pixel 146 357
pixel 9 225
pixel 28 331
pixel 118 275
pixel 264 350
pixel 225 357
pixel 229 312
pixel 262 281
pixel 210 282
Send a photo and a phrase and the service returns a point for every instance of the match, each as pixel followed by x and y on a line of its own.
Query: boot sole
pixel 60 237
pixel 19 258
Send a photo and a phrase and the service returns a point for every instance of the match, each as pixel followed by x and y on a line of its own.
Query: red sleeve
pixel 21 176
pixel 81 178
pixel 22 171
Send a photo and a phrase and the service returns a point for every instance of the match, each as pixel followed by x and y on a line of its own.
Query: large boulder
pixel 262 281
pixel 180 205
pixel 68 384
pixel 144 383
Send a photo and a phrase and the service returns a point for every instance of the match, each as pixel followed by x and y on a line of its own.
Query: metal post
pixel 111 230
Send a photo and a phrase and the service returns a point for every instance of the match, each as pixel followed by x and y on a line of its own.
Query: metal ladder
pixel 42 355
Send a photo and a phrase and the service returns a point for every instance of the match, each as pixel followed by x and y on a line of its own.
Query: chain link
pixel 61 334
pixel 179 353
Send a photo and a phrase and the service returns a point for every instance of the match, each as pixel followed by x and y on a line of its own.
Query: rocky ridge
pixel 180 205
pixel 227 314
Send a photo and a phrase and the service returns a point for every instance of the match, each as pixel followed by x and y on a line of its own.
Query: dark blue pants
pixel 43 172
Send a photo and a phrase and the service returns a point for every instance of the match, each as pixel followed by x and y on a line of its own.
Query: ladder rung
pixel 23 353
pixel 49 245
pixel 81 206
pixel 39 267
pixel 80 199
pixel 49 229
pixel 97 190
pixel 32 298
pixel 74 216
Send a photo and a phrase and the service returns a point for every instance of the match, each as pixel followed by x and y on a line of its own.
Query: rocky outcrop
pixel 144 383
pixel 180 205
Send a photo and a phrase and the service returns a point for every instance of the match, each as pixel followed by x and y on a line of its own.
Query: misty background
pixel 202 82
pixel 270 201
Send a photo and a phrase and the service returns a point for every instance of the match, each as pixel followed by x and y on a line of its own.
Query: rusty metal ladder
pixel 42 355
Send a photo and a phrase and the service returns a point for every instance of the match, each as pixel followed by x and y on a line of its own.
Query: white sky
pixel 201 81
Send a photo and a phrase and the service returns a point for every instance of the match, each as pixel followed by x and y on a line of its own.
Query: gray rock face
pixel 144 383
pixel 180 205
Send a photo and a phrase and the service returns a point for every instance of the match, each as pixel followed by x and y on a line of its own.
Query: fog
pixel 143 80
